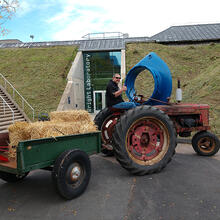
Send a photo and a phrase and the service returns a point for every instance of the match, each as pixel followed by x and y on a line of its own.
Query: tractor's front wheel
pixel 106 120
pixel 205 143
pixel 144 140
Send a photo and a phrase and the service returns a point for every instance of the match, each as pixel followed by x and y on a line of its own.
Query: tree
pixel 7 10
pixel 32 37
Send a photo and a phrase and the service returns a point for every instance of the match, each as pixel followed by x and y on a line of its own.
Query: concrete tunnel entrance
pixel 88 77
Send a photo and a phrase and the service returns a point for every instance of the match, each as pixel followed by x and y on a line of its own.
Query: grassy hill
pixel 39 74
pixel 197 66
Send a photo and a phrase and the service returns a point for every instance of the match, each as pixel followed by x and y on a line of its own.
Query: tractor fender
pixel 162 79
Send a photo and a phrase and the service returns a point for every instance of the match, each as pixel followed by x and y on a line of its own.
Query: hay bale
pixel 70 116
pixel 88 127
pixel 12 152
pixel 52 129
pixel 18 132
pixel 62 123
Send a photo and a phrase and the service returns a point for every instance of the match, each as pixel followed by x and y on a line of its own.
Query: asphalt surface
pixel 188 188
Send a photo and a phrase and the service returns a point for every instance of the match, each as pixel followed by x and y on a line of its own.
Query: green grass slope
pixel 197 66
pixel 39 74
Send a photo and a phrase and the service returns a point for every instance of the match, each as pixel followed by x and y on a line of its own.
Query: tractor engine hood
pixel 162 79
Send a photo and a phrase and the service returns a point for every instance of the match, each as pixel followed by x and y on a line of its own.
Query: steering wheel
pixel 139 98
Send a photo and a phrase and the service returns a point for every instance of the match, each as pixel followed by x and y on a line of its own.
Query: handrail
pixel 15 91
pixel 104 35
pixel 4 102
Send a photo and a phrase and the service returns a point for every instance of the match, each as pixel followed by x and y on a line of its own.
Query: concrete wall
pixel 123 64
pixel 123 67
pixel 73 96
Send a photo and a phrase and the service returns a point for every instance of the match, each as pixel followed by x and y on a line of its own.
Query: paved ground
pixel 188 188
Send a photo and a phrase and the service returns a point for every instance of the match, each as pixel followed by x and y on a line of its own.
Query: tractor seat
pixel 123 106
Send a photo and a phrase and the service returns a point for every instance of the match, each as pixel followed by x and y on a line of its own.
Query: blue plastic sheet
pixel 162 79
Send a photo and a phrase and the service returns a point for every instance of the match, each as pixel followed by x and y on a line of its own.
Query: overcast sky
pixel 50 20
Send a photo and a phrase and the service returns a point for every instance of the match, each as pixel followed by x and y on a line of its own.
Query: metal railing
pixel 14 91
pixel 4 106
pixel 104 35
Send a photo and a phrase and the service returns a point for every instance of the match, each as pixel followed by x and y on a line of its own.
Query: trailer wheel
pixel 205 143
pixel 12 178
pixel 105 120
pixel 71 173
pixel 144 140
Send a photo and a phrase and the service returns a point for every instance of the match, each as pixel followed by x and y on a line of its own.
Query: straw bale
pixel 52 129
pixel 12 152
pixel 62 123
pixel 70 116
pixel 18 132
pixel 89 127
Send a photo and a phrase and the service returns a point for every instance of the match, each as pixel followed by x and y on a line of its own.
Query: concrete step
pixel 6 115
pixel 5 98
pixel 2 94
pixel 4 131
pixel 9 122
pixel 2 106
pixel 4 128
pixel 16 117
pixel 6 106
pixel 9 114
pixel 7 110
pixel 3 103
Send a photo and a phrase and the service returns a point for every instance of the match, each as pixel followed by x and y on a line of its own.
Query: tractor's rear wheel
pixel 205 143
pixel 106 120
pixel 144 140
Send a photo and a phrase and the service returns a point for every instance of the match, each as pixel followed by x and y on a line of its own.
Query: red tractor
pixel 143 139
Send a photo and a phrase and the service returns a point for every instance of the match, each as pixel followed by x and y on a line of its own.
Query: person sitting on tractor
pixel 114 94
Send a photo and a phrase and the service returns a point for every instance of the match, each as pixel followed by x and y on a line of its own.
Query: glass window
pixel 98 101
pixel 99 67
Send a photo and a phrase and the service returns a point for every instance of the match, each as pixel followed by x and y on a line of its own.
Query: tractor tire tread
pixel 121 129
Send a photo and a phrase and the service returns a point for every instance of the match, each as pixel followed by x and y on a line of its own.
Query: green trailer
pixel 67 157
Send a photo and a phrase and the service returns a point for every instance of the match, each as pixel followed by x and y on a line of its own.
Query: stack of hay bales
pixel 61 123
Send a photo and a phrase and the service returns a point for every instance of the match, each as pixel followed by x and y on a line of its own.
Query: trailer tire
pixel 205 143
pixel 12 178
pixel 71 173
pixel 144 140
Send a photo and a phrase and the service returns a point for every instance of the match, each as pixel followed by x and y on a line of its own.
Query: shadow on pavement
pixel 188 188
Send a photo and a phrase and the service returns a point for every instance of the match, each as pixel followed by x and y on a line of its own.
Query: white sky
pixel 71 19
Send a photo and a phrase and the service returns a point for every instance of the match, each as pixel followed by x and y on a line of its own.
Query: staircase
pixel 10 112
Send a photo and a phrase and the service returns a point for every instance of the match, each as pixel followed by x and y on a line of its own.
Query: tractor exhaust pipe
pixel 178 92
